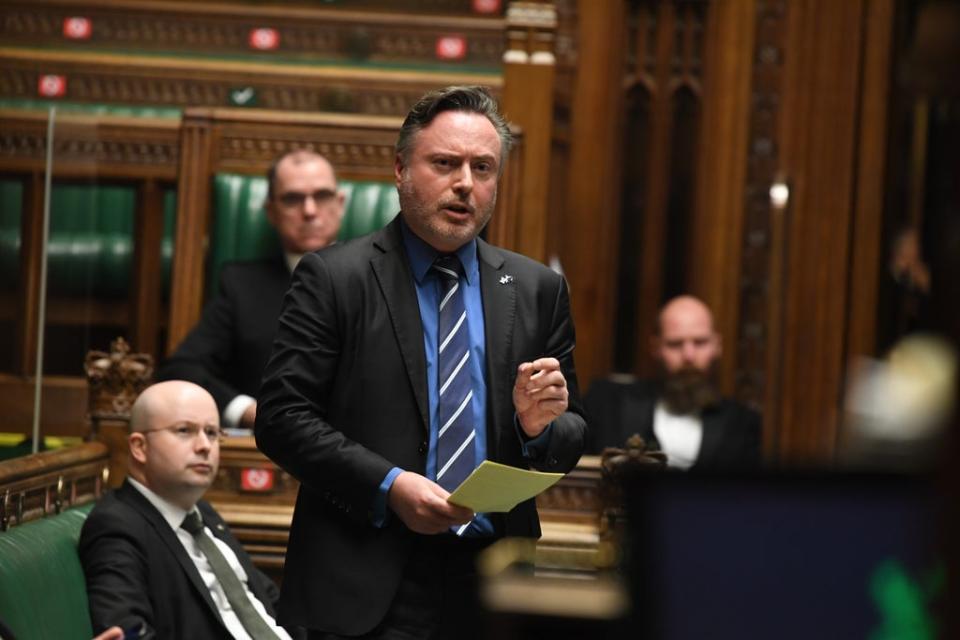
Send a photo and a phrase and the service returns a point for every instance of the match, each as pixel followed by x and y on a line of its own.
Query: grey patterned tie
pixel 252 621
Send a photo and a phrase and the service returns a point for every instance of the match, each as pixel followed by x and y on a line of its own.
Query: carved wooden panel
pixel 291 33
pixel 46 483
pixel 759 261
pixel 178 82
pixel 143 146
pixel 664 78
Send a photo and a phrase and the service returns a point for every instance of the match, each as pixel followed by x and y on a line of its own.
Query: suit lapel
pixel 712 435
pixel 499 306
pixel 134 498
pixel 392 270
pixel 638 416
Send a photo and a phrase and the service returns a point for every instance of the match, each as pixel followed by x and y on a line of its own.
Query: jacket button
pixel 422 448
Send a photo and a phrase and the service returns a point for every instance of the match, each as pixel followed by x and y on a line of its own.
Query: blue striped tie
pixel 456 456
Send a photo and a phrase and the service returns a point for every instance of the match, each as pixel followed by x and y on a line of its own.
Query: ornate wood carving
pixel 759 260
pixel 180 82
pixel 304 33
pixel 115 380
pixel 664 78
pixel 42 484
pixel 83 145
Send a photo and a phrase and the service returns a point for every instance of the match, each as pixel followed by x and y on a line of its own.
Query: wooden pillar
pixel 717 225
pixel 818 159
pixel 146 281
pixel 872 151
pixel 528 78
pixel 653 226
pixel 31 257
pixel 588 244
pixel 190 247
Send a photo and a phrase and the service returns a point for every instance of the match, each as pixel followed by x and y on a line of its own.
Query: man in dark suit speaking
pixel 227 350
pixel 682 411
pixel 402 360
pixel 159 561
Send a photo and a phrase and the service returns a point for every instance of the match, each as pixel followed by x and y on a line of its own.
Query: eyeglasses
pixel 190 431
pixel 298 199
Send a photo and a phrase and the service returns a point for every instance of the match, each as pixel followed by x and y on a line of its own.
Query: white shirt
pixel 174 516
pixel 680 436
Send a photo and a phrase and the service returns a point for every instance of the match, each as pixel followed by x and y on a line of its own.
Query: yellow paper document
pixel 497 488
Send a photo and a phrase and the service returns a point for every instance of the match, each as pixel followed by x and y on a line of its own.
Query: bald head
pixel 174 441
pixel 686 338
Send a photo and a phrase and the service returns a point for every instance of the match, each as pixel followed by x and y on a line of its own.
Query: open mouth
pixel 458 209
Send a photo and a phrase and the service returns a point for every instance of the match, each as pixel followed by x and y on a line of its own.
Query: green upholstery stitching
pixel 43 593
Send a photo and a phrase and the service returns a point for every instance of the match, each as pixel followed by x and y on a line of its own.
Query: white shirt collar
pixel 173 514
pixel 292 259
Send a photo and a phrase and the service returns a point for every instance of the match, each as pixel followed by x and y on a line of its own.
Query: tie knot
pixel 192 523
pixel 449 267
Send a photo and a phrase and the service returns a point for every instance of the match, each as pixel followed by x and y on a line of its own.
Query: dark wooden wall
pixel 672 149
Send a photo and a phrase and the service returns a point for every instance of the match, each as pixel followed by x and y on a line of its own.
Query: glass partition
pixel 97 270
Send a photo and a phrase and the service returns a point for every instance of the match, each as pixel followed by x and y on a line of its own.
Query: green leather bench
pixel 43 593
pixel 91 230
pixel 240 230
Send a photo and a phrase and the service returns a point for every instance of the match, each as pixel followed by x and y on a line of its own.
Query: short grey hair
pixel 472 99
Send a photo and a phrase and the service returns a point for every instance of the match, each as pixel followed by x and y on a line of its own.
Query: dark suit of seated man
pixel 228 349
pixel 144 569
pixel 682 412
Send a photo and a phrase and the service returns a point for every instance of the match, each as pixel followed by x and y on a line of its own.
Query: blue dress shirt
pixel 427 282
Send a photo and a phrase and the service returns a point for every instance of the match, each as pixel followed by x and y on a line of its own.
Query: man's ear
pixel 138 447
pixel 398 169
pixel 341 202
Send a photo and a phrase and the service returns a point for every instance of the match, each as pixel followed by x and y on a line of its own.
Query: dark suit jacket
pixel 344 399
pixel 731 431
pixel 227 350
pixel 138 571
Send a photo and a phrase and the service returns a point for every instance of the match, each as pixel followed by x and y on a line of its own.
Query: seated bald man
pixel 681 412
pixel 159 561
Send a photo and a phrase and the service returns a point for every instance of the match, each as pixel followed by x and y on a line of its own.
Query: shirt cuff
pixel 234 411
pixel 533 448
pixel 378 512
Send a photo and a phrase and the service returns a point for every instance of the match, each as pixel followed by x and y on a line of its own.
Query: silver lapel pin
pixel 506 279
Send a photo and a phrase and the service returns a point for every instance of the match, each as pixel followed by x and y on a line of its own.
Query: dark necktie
pixel 456 456
pixel 236 594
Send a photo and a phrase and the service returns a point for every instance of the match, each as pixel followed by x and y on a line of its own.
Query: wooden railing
pixel 43 484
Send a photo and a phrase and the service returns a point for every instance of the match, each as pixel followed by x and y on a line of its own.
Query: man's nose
pixel 309 206
pixel 464 179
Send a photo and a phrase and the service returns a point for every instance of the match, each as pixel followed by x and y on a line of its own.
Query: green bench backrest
pixel 43 594
pixel 91 230
pixel 91 237
pixel 241 231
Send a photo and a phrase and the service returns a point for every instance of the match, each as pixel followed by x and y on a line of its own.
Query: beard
pixel 426 220
pixel 689 390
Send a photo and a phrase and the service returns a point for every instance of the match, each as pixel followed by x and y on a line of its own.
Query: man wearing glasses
pixel 228 349
pixel 159 561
